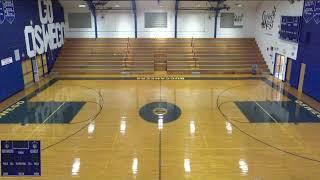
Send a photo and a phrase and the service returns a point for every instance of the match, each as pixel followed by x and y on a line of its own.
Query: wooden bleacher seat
pixel 185 55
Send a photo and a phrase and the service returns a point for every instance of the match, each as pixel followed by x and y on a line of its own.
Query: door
pixel 280 67
pixel 289 66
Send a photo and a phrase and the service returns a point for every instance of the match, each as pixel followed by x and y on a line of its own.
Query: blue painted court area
pixel 276 111
pixel 40 112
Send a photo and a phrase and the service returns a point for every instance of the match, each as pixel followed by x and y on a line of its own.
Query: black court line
pixel 177 78
pixel 267 81
pixel 287 93
pixel 83 127
pixel 42 88
pixel 264 79
pixel 224 78
pixel 97 78
pixel 256 138
pixel 34 93
pixel 160 140
pixel 160 155
pixel 160 91
pixel 279 89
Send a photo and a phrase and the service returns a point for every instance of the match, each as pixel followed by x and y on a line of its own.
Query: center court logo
pixel 39 38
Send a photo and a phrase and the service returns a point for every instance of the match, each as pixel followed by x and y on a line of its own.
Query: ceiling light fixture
pixel 82 6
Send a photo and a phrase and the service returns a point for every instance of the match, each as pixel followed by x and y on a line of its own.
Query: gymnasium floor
pixel 215 127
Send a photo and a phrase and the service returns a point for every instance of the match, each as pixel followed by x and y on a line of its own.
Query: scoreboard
pixel 20 158
pixel 290 28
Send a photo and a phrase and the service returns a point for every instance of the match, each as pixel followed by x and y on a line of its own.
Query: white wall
pixel 194 24
pixel 153 6
pixel 248 30
pixel 190 23
pixel 267 38
pixel 78 32
pixel 115 24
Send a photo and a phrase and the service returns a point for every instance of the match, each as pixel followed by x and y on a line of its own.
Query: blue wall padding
pixel 308 53
pixel 311 85
pixel 12 38
pixel 295 74
pixel 52 59
pixel 11 80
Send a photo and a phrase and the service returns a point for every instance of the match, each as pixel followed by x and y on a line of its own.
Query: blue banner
pixel 42 38
pixel 20 158
pixel 1 13
pixel 290 28
pixel 311 11
pixel 8 8
pixel 317 12
pixel 308 52
pixel 308 11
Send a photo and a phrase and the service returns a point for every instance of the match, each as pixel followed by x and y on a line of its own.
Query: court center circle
pixel 153 111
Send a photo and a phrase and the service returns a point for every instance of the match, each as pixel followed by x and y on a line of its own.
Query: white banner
pixel 6 61
pixel 39 38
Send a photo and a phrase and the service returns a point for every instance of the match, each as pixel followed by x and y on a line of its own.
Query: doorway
pixel 280 67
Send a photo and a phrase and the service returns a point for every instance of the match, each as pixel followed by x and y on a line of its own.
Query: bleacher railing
pixel 126 55
pixel 194 53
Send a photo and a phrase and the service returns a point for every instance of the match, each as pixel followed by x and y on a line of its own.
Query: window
pixel 230 20
pixel 155 20
pixel 79 20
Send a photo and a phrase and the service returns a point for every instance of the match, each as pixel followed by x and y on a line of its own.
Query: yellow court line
pixel 53 113
pixel 267 112
pixel 282 128
pixel 42 124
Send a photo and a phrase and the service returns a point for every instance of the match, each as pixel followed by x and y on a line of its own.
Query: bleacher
pixel 184 55
pixel 217 56
pixel 102 56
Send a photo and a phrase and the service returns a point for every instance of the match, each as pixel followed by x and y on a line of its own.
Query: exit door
pixel 280 67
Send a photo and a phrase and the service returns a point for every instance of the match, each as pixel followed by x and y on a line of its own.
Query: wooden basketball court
pixel 96 129
pixel 159 90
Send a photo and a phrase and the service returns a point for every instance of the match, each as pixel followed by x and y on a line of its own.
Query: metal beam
pixel 93 10
pixel 220 6
pixel 176 20
pixel 216 23
pixel 113 9
pixel 95 23
pixel 134 9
